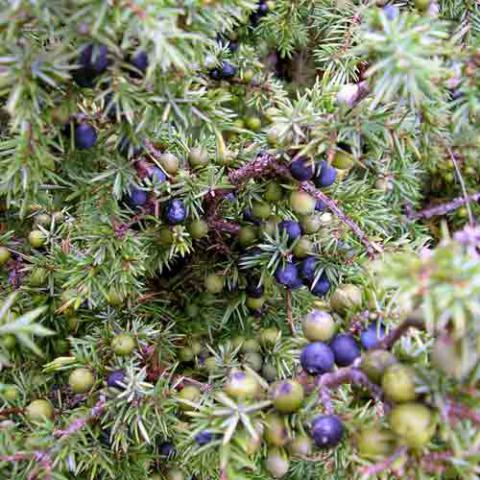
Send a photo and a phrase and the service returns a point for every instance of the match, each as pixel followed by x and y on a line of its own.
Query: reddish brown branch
pixel 371 247
pixel 257 167
pixel 349 375
pixel 266 163
pixel 78 424
pixel 384 464
pixel 290 320
pixel 389 340
pixel 444 208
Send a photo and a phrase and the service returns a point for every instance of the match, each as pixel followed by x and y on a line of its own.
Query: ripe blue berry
pixel 175 211
pixel 327 430
pixel 322 286
pixel 317 358
pixel 326 175
pixel 167 449
pixel 345 349
pixel 138 197
pixel 302 168
pixel 307 269
pixel 116 378
pixel 292 228
pixel 140 62
pixel 228 70
pixel 254 290
pixel 203 438
pixel 320 206
pixel 391 12
pixel 85 136
pixel 94 57
pixel 288 275
pixel 157 174
pixel 372 335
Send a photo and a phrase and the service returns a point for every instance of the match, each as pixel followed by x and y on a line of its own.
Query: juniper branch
pixel 443 208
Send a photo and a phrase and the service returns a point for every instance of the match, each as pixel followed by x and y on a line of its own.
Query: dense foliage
pixel 238 239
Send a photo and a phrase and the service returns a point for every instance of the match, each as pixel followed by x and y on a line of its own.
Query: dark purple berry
pixel 227 70
pixel 391 12
pixel 372 335
pixel 157 174
pixel 288 275
pixel 85 136
pixel 345 349
pixel 175 212
pixel 94 57
pixel 320 206
pixel 317 358
pixel 326 175
pixel 327 430
pixel 116 379
pixel 321 287
pixel 140 62
pixel 307 269
pixel 167 449
pixel 302 168
pixel 203 438
pixel 248 216
pixel 138 197
pixel 254 290
pixel 292 228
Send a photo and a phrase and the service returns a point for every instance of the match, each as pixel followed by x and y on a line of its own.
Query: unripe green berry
pixel 247 235
pixel 414 423
pixel 214 283
pixel 250 345
pixel 36 239
pixel 39 410
pixel 277 463
pixel 198 229
pixel 165 236
pixel 346 297
pixel 248 75
pixel 10 393
pixel 5 255
pixel 318 326
pixel 253 123
pixel 269 336
pixel 198 157
pixel 269 372
pixel 300 446
pixel 191 394
pixel 38 277
pixel 81 380
pixel 343 160
pixel 255 303
pixel 375 362
pixel 275 431
pixel 261 210
pixel 175 474
pixel 375 443
pixel 287 396
pixel 185 354
pixel 241 385
pixel 43 219
pixel 254 360
pixel 123 344
pixel 273 192
pixel 9 341
pixel 302 203
pixel 303 247
pixel 210 364
pixel 311 223
pixel 398 383
pixel 169 162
